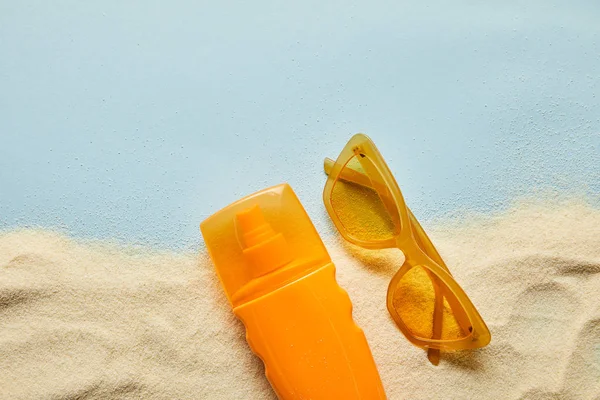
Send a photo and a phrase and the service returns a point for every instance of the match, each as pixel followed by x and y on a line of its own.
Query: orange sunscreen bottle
pixel 281 283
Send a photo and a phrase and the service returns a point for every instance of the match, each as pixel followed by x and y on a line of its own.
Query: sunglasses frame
pixel 413 242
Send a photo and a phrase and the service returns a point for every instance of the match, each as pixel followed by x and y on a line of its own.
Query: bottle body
pixel 279 280
pixel 310 345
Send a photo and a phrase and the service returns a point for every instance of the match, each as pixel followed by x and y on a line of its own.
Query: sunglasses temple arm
pixel 328 165
pixel 433 355
pixel 348 174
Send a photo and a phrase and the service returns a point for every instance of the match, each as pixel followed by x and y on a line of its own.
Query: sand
pixel 90 320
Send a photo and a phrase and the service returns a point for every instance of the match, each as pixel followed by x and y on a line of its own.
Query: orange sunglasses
pixel 367 207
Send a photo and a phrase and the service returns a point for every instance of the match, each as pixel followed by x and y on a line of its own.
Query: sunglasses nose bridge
pixel 401 242
pixel 410 250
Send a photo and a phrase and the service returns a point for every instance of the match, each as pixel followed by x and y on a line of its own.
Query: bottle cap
pixel 265 250
pixel 259 234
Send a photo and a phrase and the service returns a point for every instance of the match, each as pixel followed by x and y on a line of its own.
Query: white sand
pixel 82 320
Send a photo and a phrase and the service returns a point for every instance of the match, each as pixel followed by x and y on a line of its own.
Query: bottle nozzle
pixel 254 227
pixel 264 248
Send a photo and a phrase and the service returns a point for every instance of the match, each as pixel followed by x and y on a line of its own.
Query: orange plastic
pixel 281 283
pixel 406 234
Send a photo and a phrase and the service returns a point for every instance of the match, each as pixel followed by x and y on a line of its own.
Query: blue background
pixel 136 120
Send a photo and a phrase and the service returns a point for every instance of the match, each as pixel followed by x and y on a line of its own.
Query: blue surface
pixel 136 121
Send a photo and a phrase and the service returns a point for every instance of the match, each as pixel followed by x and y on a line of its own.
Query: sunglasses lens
pixel 414 301
pixel 358 205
